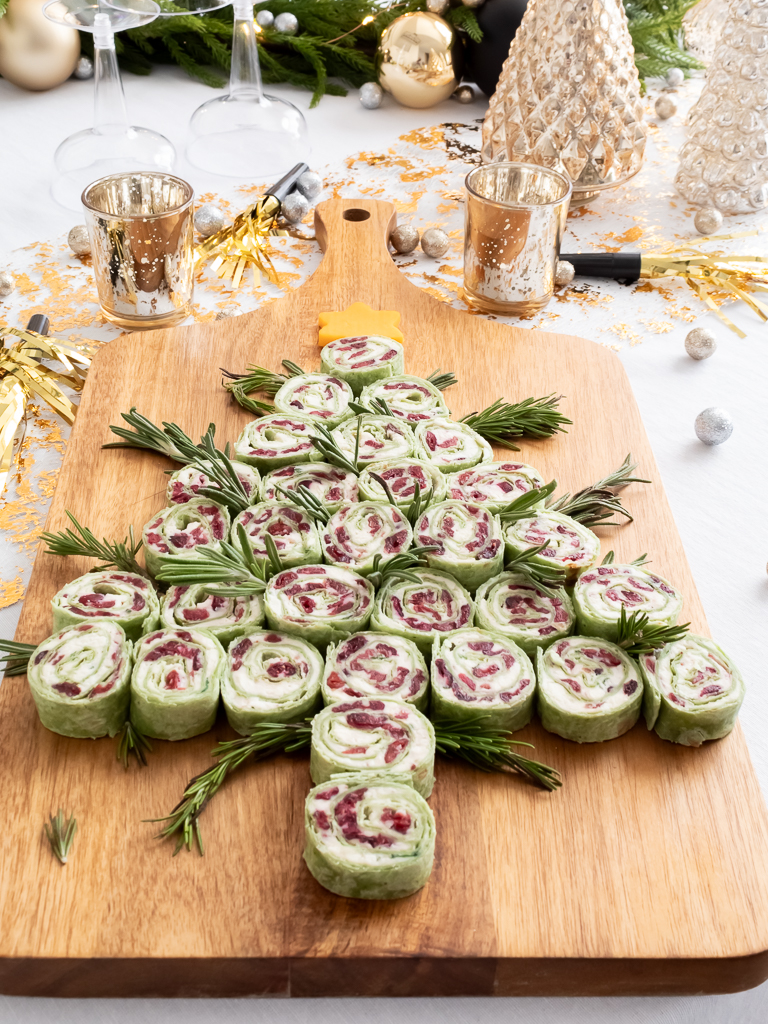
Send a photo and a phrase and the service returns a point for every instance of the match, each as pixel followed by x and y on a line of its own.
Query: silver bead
pixel 675 77
pixel 437 6
pixel 564 272
pixel 371 95
pixel 287 23
pixel 295 207
pixel 665 107
pixel 265 19
pixel 7 283
pixel 708 220
pixel 465 94
pixel 83 69
pixel 78 240
pixel 209 219
pixel 700 343
pixel 404 238
pixel 713 425
pixel 435 242
pixel 309 184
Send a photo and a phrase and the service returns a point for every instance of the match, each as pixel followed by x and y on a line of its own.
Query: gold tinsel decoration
pixel 23 374
pixel 244 243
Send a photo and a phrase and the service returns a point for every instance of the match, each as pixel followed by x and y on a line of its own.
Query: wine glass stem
pixel 245 73
pixel 109 113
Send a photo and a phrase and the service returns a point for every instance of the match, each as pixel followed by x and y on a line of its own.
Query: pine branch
pixel 465 19
pixel 60 832
pixel 533 417
pixel 527 504
pixel 595 505
pixel 117 554
pixel 145 434
pixel 131 742
pixel 16 657
pixel 442 381
pixel 636 635
pixel 489 749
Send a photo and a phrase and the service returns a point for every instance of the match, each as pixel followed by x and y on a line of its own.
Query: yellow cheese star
pixel 357 320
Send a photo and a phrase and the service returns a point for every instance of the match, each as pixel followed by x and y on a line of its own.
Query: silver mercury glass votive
pixel 142 236
pixel 513 225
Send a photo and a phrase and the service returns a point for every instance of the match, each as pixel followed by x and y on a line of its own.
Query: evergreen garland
pixel 656 27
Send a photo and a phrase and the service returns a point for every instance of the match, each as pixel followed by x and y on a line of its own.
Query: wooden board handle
pixel 354 235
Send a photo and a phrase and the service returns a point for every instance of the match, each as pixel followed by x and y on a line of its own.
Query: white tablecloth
pixel 718 496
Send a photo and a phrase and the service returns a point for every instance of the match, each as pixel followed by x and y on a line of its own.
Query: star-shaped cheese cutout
pixel 358 320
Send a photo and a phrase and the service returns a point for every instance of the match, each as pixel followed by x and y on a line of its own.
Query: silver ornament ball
pixel 665 107
pixel 404 238
pixel 564 272
pixel 371 95
pixel 309 184
pixel 675 77
pixel 708 220
pixel 435 242
pixel 78 240
pixel 437 6
pixel 465 94
pixel 700 343
pixel 209 219
pixel 7 283
pixel 295 207
pixel 287 23
pixel 265 19
pixel 83 69
pixel 713 425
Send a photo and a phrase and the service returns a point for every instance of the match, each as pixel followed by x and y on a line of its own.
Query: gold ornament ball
pixel 404 238
pixel 35 54
pixel 7 284
pixel 564 273
pixel 435 242
pixel 708 220
pixel 665 107
pixel 420 58
pixel 78 240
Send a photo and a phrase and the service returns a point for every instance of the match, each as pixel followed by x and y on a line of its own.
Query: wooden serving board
pixel 646 874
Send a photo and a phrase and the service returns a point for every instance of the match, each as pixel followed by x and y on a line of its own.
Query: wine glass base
pixel 248 137
pixel 89 155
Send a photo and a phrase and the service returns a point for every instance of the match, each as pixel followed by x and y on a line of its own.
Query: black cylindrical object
pixel 499 20
pixel 621 266
pixel 288 182
pixel 39 323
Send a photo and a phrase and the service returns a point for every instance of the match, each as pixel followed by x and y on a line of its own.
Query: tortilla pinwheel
pixel 570 547
pixel 361 361
pixel 410 398
pixel 332 486
pixel 357 534
pixel 376 665
pixel 184 484
pixel 317 395
pixel 124 598
pixel 181 532
pixel 421 611
pixel 293 532
pixel 451 446
pixel 276 440
pixel 467 541
pixel 493 484
pixel 600 594
pixel 189 607
pixel 512 604
pixel 320 603
pixel 401 477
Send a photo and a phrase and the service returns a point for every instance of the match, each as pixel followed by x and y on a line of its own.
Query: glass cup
pixel 513 226
pixel 141 231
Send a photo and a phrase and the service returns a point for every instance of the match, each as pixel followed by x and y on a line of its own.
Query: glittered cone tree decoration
pixel 569 96
pixel 724 162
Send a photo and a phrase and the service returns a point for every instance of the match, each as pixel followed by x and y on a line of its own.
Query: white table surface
pixel 718 496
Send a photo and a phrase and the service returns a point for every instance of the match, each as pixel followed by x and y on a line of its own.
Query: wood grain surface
pixel 646 873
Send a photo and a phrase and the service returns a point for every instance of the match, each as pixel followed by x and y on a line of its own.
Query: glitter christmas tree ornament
pixel 569 96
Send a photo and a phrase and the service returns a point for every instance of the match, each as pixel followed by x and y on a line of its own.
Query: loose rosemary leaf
pixel 60 832
pixel 16 657
pixel 533 417
pixel 489 749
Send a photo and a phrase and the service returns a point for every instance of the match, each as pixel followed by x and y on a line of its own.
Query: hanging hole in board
pixel 356 214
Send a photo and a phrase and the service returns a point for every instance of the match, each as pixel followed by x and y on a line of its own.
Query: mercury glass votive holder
pixel 141 231
pixel 513 226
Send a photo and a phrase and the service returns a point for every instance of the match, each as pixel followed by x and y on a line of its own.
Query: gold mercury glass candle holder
pixel 513 225
pixel 141 231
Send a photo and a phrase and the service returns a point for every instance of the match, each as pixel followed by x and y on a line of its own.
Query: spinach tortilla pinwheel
pixel 368 837
pixel 589 689
pixel 381 438
pixel 511 604
pixel 270 677
pixel 114 595
pixel 693 691
pixel 571 547
pixel 332 486
pixel 421 611
pixel 477 674
pixel 401 477
pixel 293 532
pixel 600 594
pixel 181 532
pixel 79 679
pixel 321 603
pixel 357 533
pixel 467 539
pixel 376 665
pixel 184 484
pixel 361 361
pixel 318 395
pixel 189 607
pixel 175 683
pixel 451 446
pixel 410 398
pixel 280 439
pixel 369 734
pixel 493 484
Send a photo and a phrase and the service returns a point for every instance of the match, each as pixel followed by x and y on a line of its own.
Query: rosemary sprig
pixel 16 657
pixel 273 555
pixel 325 443
pixel 216 465
pixel 441 380
pixel 596 504
pixel 489 749
pixel 117 554
pixel 378 407
pixel 640 560
pixel 416 506
pixel 258 378
pixel 533 417
pixel 400 565
pixel 543 577
pixel 307 501
pixel 251 404
pixel 267 739
pixel 132 742
pixel 527 504
pixel 637 635
pixel 145 434
pixel 60 832
pixel 232 572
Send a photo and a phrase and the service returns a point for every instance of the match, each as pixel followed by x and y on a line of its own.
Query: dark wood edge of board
pixel 376 977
